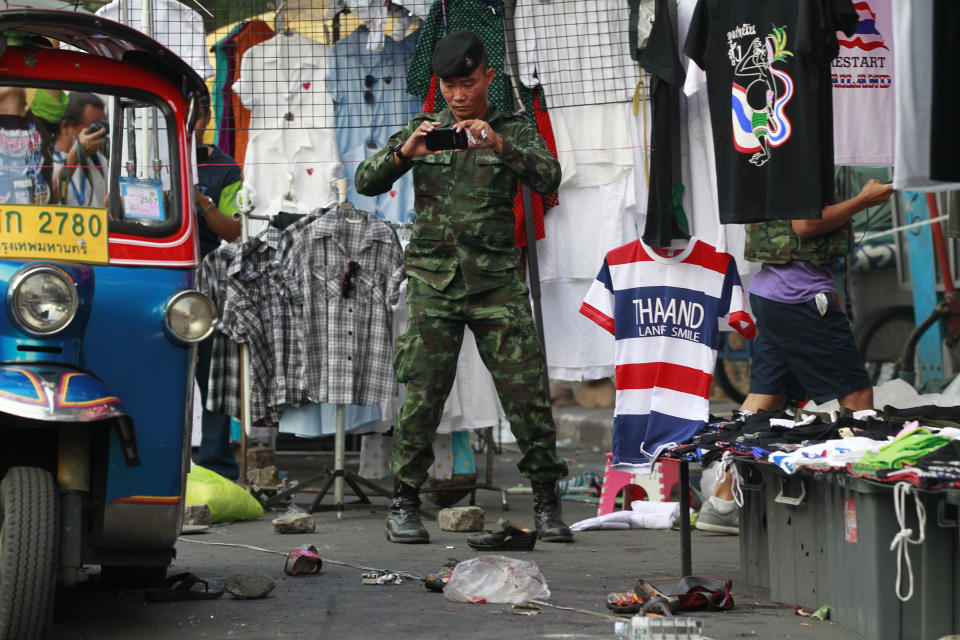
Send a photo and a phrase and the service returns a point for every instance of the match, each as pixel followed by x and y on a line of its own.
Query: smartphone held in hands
pixel 444 138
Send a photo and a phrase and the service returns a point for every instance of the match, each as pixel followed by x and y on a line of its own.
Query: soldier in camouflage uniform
pixel 804 344
pixel 464 270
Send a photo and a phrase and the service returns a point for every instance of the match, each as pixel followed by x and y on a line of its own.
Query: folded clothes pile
pixel 642 515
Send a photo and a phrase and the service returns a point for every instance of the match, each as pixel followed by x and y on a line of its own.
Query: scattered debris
pixel 303 560
pixel 526 610
pixel 461 519
pixel 382 577
pixel 823 613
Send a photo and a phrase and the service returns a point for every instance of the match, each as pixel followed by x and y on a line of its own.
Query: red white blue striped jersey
pixel 663 313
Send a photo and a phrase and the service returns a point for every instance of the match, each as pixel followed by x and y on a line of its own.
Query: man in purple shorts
pixel 804 346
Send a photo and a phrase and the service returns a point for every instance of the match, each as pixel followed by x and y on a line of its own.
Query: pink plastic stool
pixel 656 485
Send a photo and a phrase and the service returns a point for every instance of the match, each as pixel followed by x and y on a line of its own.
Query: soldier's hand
pixel 416 144
pixel 482 134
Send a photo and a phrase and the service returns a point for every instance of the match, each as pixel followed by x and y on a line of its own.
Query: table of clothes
pixel 919 445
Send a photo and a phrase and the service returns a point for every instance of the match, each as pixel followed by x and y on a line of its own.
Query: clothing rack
pixel 339 475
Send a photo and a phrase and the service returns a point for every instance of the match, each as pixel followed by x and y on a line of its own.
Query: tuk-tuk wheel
pixel 29 535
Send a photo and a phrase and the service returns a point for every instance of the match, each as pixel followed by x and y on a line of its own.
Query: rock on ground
pixel 197 514
pixel 294 523
pixel 462 518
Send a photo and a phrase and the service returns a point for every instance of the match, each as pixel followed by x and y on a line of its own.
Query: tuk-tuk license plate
pixel 45 232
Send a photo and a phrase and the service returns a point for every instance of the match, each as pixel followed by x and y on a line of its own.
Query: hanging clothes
pixel 223 137
pixel 660 58
pixel 485 18
pixel 863 89
pixel 345 268
pixel 292 149
pixel 579 56
pixel 913 68
pixel 256 309
pixel 175 26
pixel 233 121
pixel 369 90
pixel 944 141
pixel 768 71
pixel 224 379
pixel 698 161
pixel 313 420
pixel 662 309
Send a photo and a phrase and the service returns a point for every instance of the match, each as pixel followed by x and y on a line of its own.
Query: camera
pixel 97 126
pixel 444 138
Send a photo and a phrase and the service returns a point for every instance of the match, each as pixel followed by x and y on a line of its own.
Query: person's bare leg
pixel 763 401
pixel 858 400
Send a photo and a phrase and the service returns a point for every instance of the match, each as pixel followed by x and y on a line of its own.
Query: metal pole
pixel 686 560
pixel 150 121
pixel 534 269
pixel 245 421
pixel 338 459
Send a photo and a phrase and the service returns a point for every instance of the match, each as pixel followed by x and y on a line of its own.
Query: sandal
pixel 437 581
pixel 511 537
pixel 626 602
pixel 181 587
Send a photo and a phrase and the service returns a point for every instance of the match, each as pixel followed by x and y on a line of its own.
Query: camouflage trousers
pixel 425 359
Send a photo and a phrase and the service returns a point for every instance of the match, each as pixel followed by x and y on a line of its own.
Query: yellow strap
pixel 638 98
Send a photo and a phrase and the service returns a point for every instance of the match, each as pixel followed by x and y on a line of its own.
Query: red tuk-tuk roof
pixel 122 57
pixel 107 39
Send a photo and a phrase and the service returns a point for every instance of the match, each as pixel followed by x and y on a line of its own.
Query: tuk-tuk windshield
pixel 79 149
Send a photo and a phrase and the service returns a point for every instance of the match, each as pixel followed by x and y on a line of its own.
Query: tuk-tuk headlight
pixel 44 299
pixel 190 316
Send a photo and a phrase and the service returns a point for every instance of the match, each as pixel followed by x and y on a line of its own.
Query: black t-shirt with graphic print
pixel 768 84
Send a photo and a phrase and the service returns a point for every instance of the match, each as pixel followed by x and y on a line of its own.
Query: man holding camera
pixel 464 270
pixel 79 166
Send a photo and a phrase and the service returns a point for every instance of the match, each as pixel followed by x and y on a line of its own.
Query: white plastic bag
pixel 497 580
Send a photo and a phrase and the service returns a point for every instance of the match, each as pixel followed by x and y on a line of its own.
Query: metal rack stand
pixel 488 482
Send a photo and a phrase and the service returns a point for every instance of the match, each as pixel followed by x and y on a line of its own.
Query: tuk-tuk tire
pixel 29 542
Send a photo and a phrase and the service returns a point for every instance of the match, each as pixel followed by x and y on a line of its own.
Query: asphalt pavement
pixel 334 603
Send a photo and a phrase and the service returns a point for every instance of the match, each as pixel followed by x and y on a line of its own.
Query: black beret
pixel 459 54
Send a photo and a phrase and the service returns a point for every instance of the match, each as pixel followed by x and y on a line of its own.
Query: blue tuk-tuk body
pixel 99 324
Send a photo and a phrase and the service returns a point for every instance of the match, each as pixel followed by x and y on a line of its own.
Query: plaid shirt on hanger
pixel 260 311
pixel 346 267
pixel 223 387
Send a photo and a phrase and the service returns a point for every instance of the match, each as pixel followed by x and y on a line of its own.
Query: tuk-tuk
pixel 100 318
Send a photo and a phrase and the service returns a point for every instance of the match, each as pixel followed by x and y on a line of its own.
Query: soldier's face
pixel 467 95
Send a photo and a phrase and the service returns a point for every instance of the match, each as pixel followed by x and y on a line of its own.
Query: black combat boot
pixel 403 519
pixel 546 513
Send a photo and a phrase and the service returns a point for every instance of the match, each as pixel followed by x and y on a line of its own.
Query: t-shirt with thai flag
pixel 663 312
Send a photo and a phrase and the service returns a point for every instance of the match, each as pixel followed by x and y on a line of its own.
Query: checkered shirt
pixel 347 342
pixel 223 387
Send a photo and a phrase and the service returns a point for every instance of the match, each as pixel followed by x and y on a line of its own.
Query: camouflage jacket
pixel 464 200
pixel 775 241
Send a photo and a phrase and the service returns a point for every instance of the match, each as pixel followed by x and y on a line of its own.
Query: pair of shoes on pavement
pixel 719 520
